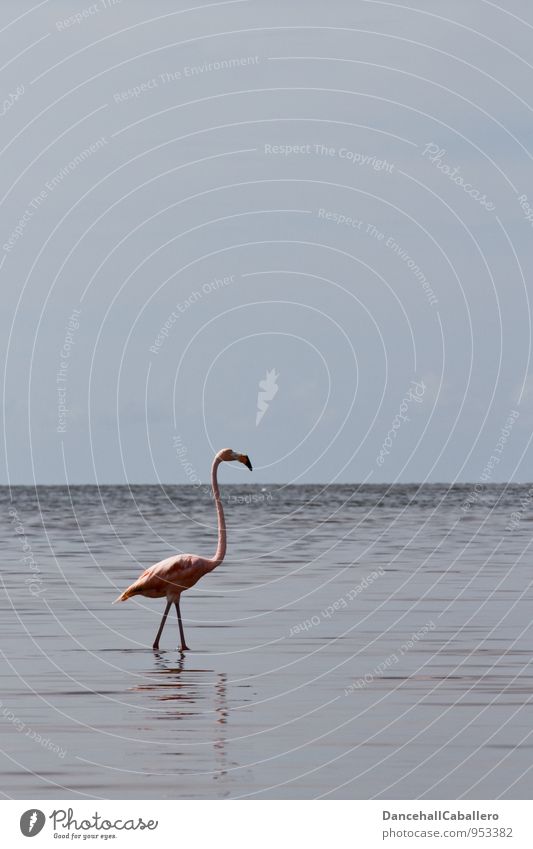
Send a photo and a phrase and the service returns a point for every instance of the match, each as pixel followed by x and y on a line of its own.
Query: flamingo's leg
pixel 184 646
pixel 164 619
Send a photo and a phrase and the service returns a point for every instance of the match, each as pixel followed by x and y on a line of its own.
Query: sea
pixel 357 642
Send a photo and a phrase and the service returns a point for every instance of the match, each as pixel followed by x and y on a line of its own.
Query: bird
pixel 172 576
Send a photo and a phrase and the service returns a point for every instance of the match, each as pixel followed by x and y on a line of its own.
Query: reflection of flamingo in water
pixel 184 691
pixel 170 577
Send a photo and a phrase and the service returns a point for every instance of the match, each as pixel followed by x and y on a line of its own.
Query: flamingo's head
pixel 228 455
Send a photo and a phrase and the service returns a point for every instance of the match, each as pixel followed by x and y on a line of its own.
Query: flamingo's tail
pixel 125 595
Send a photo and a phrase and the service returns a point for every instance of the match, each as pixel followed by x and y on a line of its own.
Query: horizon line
pixel 277 484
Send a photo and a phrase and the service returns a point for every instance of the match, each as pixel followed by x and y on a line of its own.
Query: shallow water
pixel 355 643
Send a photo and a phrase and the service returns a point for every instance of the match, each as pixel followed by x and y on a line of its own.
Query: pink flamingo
pixel 170 577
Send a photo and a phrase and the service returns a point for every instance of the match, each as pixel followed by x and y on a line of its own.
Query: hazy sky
pixel 296 229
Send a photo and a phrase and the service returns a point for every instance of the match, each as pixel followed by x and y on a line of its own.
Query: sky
pixel 299 230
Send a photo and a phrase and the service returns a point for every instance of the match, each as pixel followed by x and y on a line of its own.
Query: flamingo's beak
pixel 244 458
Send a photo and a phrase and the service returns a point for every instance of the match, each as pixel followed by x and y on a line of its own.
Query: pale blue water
pixel 304 680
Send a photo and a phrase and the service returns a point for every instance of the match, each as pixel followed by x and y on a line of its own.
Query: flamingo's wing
pixel 153 582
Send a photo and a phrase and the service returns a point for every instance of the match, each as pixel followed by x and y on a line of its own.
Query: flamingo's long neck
pixel 221 547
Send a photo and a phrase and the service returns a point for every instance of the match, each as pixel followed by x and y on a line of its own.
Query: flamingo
pixel 170 577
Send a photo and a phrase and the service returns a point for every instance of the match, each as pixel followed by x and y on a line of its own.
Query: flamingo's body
pixel 172 576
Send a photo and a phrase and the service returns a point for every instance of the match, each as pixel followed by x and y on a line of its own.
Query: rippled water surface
pixel 357 642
